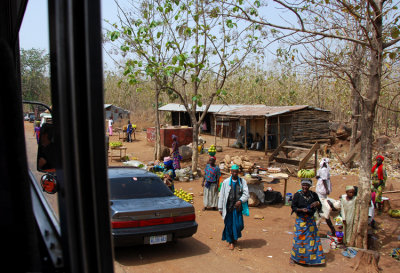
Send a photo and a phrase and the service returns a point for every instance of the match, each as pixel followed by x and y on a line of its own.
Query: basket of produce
pixel 212 150
pixel 303 173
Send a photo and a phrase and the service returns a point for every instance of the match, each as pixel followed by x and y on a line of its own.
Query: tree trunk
pixel 367 122
pixel 195 142
pixel 157 147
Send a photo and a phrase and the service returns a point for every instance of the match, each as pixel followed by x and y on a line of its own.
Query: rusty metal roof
pixel 242 110
pixel 266 111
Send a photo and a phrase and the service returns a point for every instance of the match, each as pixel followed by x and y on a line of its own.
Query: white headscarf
pixel 324 160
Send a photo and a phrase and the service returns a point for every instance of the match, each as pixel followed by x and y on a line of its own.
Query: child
pixel 36 131
pixel 348 207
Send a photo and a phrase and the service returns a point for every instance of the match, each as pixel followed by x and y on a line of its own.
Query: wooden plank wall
pixel 309 125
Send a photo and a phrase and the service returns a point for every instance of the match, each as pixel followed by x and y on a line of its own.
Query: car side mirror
pixel 47 154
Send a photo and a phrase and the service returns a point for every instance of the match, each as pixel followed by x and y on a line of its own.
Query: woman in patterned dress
pixel 212 174
pixel 176 157
pixel 307 248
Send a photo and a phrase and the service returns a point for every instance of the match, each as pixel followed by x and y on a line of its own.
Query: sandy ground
pixel 265 244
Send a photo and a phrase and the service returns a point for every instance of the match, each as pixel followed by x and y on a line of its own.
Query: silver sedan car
pixel 145 211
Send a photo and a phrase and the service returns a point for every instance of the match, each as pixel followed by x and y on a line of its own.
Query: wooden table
pixel 121 149
pixel 278 176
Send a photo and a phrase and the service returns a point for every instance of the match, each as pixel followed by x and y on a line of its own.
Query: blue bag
pixel 245 205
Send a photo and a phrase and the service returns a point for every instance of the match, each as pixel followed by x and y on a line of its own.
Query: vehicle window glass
pixel 137 187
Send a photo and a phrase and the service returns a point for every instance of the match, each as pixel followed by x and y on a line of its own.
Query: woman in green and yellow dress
pixel 379 177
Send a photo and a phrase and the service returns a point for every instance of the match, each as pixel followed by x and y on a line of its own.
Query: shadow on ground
pixel 147 254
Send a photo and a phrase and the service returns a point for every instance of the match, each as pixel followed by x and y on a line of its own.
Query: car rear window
pixel 137 187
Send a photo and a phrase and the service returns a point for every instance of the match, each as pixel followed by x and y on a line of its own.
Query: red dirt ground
pixel 265 244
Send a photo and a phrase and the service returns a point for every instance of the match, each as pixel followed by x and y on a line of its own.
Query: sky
pixel 34 31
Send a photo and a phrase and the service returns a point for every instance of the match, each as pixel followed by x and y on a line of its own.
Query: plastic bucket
pixel 288 199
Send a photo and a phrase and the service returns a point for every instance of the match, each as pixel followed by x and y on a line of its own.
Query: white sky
pixel 34 31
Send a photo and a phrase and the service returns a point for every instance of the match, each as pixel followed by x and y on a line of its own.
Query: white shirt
pixel 110 122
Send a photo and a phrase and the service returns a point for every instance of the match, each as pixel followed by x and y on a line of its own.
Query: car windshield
pixel 137 187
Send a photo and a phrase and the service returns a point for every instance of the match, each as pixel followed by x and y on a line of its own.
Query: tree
pixel 380 32
pixel 200 49
pixel 34 75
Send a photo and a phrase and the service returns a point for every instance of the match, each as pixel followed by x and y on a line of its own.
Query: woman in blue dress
pixel 307 247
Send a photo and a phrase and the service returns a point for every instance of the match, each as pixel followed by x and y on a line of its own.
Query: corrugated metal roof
pixel 266 111
pixel 241 110
pixel 122 109
pixel 214 108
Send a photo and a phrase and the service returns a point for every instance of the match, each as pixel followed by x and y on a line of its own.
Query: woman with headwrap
pixel 212 174
pixel 307 248
pixel 169 173
pixel 232 199
pixel 379 177
pixel 348 208
pixel 324 187
pixel 176 157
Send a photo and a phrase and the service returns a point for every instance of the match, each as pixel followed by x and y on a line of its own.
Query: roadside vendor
pixel 169 173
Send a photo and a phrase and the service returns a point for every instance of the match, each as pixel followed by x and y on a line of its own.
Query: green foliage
pixel 34 75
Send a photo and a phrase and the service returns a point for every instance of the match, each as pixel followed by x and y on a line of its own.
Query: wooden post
pixel 284 191
pixel 315 161
pixel 245 135
pixel 279 131
pixel 266 135
pixel 222 128
pixel 215 130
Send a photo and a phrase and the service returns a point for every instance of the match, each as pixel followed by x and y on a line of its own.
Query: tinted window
pixel 138 187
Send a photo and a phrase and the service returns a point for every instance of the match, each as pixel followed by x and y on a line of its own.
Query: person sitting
pixel 257 144
pixel 169 173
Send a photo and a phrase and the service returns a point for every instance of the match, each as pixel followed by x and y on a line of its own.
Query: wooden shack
pixel 273 124
pixel 298 123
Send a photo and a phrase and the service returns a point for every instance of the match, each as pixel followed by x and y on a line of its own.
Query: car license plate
pixel 160 239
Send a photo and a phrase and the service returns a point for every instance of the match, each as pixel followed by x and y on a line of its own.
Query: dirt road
pixel 265 244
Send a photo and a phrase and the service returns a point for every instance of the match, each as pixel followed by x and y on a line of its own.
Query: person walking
pixel 110 124
pixel 231 203
pixel 323 189
pixel 307 247
pixel 176 157
pixel 212 174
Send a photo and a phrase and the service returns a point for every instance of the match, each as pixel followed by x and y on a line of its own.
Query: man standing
pixel 234 193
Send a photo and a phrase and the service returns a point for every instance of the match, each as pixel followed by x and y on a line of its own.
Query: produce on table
pixel 115 144
pixel 188 197
pixel 303 173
